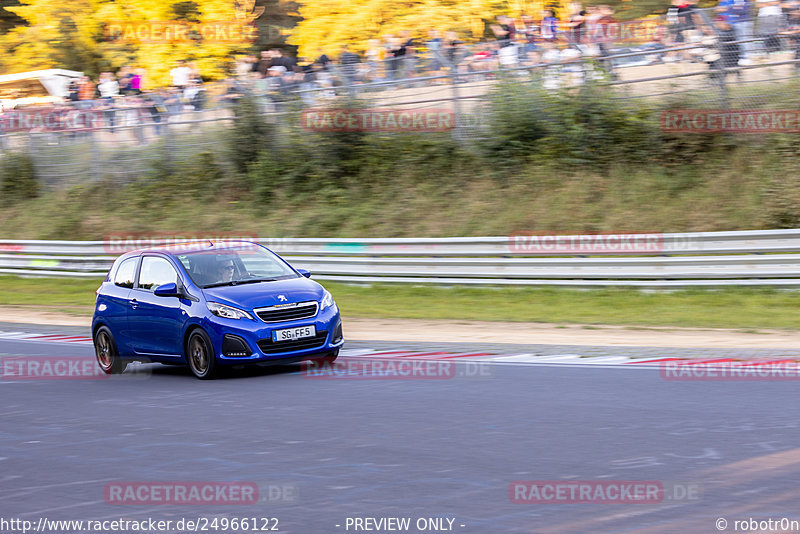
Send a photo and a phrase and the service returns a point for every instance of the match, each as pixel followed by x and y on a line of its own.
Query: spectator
pixel 727 54
pixel 243 67
pixel 73 90
pixel 606 18
pixel 482 60
pixel 770 22
pixel 504 30
pixel 137 81
pixel 549 26
pixel 86 89
pixel 792 30
pixel 280 60
pixel 265 62
pixel 681 18
pixel 739 14
pixel 452 47
pixel 124 77
pixel 180 75
pixel 577 24
pixel 153 108
pixel 253 61
pixel 530 31
pixel 108 86
pixel 322 60
pixel 375 55
pixel 593 34
pixel 349 60
pixel 434 46
pixel 195 95
pixel 392 49
pixel 407 54
pixel 276 84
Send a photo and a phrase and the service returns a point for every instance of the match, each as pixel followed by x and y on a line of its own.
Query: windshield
pixel 234 265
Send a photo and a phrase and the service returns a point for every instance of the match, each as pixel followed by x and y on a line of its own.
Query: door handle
pixel 134 303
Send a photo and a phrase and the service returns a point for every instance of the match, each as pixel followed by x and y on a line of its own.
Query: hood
pixel 262 294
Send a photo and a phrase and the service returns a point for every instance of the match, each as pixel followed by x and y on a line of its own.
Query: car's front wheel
pixel 330 357
pixel 200 355
pixel 106 352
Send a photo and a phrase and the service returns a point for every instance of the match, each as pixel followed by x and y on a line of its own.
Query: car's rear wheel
pixel 200 355
pixel 106 352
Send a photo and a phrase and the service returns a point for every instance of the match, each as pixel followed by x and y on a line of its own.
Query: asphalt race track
pixel 322 450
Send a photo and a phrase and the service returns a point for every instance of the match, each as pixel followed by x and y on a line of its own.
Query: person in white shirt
pixel 180 75
pixel 108 85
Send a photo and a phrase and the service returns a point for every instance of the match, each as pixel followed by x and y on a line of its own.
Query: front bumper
pixel 249 341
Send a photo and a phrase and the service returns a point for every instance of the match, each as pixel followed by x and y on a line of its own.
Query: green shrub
pixel 251 133
pixel 17 179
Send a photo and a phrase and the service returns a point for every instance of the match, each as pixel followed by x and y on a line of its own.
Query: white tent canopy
pixel 50 84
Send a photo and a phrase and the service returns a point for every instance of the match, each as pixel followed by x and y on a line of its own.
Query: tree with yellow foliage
pixel 75 35
pixel 329 24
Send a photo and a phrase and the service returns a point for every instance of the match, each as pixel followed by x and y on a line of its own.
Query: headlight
pixel 327 300
pixel 228 312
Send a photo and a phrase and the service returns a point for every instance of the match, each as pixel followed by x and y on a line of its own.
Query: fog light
pixel 234 347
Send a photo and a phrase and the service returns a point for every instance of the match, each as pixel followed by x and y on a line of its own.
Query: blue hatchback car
pixel 210 305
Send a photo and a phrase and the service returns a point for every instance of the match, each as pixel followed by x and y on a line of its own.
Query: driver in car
pixel 225 271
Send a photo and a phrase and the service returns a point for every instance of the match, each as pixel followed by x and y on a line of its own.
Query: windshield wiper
pixel 238 282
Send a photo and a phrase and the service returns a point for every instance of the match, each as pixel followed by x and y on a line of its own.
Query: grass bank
pixel 574 162
pixel 748 309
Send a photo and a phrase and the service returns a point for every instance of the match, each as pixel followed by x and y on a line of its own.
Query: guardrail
pixel 711 259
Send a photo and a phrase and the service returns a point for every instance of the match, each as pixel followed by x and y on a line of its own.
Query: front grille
pixel 267 346
pixel 276 314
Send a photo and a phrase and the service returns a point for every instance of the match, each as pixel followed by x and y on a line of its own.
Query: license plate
pixel 290 334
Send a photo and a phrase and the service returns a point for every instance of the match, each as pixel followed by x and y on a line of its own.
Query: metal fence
pixel 128 143
pixel 713 259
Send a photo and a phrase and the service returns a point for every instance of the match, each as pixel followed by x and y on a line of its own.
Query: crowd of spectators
pixel 734 33
pixel 590 32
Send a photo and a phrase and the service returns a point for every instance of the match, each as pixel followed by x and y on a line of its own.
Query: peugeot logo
pixel 282 298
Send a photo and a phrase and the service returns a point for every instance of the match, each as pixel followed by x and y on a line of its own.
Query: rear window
pixel 125 273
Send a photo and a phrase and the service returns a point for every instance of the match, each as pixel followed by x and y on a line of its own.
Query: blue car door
pixel 114 303
pixel 155 323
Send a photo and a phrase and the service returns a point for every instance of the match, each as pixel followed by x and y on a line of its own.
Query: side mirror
pixel 168 290
pixel 304 272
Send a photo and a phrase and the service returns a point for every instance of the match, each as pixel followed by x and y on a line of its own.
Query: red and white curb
pixel 567 360
pixel 50 338
pixel 557 360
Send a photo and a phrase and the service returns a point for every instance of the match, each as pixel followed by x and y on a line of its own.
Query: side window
pixel 156 272
pixel 126 273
